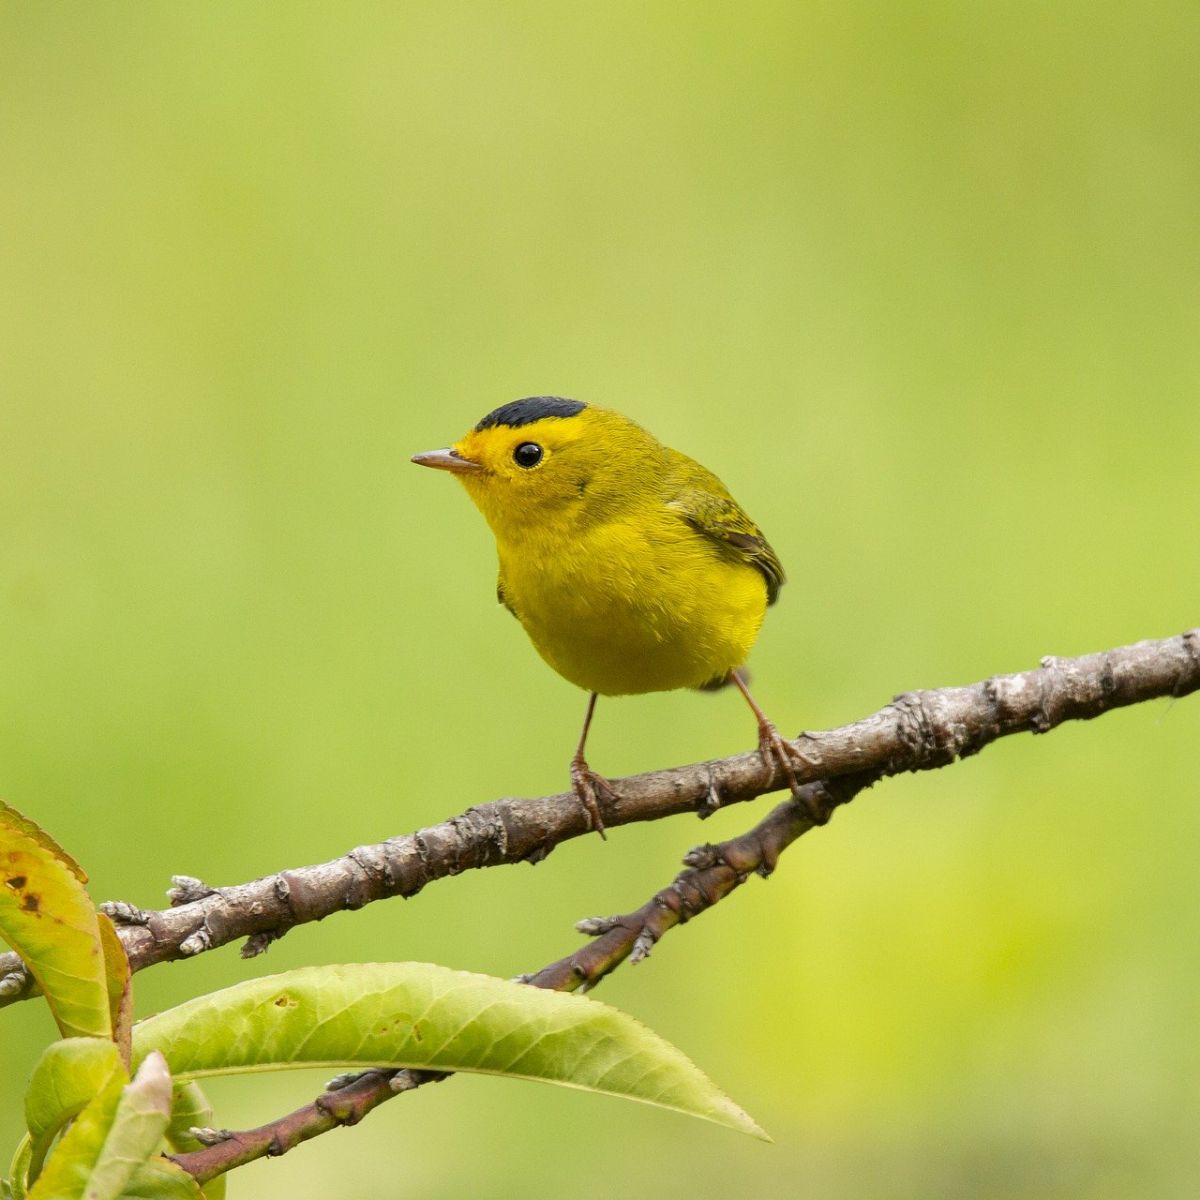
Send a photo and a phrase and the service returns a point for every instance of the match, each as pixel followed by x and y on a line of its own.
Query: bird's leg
pixel 589 786
pixel 774 748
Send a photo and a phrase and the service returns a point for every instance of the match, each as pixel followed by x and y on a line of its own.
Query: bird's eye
pixel 527 454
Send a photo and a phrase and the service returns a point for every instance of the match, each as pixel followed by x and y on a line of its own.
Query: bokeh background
pixel 919 280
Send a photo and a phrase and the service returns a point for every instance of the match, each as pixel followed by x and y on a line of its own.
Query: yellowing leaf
pixel 17 820
pixel 48 919
pixel 119 980
pixel 419 1015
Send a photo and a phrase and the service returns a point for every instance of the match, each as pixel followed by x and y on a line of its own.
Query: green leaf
pixel 48 919
pixel 66 1174
pixel 137 1129
pixel 116 1133
pixel 190 1107
pixel 68 1076
pixel 160 1179
pixel 17 1183
pixel 419 1015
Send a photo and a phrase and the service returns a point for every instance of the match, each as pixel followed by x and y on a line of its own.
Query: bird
pixel 629 565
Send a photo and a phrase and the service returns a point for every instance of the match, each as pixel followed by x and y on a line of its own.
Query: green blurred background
pixel 919 281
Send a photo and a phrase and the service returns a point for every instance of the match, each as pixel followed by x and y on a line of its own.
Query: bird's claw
pixel 590 788
pixel 775 750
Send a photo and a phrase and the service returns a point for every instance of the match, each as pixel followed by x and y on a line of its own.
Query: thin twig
pixel 713 872
pixel 917 731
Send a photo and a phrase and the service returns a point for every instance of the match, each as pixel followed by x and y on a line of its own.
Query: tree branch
pixel 917 731
pixel 714 871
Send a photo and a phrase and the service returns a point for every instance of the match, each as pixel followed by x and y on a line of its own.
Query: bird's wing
pixel 703 502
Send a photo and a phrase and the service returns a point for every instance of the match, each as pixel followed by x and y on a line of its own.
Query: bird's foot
pixel 591 788
pixel 776 751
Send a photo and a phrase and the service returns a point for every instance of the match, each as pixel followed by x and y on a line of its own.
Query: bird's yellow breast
pixel 624 606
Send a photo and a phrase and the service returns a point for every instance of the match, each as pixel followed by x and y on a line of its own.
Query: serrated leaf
pixel 68 1076
pixel 18 820
pixel 48 919
pixel 118 979
pixel 421 1015
pixel 118 1131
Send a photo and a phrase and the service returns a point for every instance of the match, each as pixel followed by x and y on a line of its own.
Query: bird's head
pixel 536 459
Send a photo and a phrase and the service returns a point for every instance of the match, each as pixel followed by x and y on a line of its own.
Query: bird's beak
pixel 446 460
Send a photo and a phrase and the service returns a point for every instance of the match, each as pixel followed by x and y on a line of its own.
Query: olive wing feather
pixel 704 503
